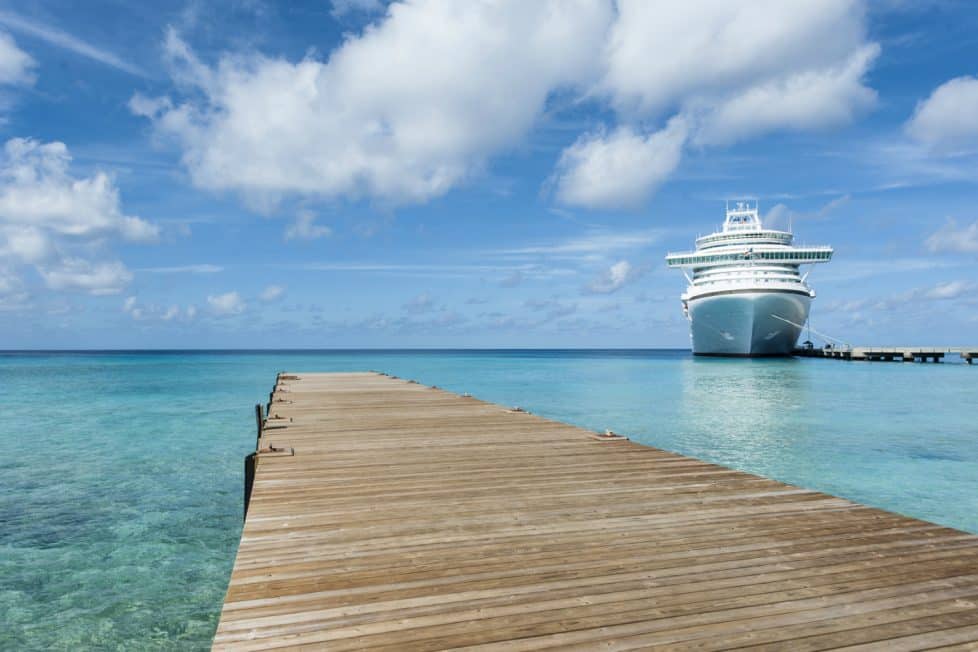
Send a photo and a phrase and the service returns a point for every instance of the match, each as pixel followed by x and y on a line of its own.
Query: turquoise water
pixel 120 493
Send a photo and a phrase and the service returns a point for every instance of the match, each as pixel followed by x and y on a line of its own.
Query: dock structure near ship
pixel 388 515
pixel 890 353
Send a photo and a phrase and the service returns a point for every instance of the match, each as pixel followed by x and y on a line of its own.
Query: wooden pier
pixel 388 515
pixel 891 353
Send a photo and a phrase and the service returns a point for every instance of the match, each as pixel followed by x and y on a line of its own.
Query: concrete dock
pixel 388 515
pixel 891 353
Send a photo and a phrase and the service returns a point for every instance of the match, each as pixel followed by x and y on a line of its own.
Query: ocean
pixel 121 486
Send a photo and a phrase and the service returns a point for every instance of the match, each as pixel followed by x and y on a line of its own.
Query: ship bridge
pixel 744 240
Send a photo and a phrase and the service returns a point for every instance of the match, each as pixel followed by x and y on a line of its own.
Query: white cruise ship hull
pixel 745 322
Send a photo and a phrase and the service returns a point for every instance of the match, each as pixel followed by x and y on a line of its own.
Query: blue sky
pixel 478 174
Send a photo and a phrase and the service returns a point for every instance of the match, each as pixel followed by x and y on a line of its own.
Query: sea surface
pixel 121 479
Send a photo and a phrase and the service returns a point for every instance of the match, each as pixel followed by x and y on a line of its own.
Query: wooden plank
pixel 413 518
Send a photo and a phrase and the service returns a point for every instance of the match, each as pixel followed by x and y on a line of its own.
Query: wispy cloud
pixel 944 291
pixel 594 243
pixel 423 269
pixel 184 269
pixel 66 41
pixel 846 271
pixel 614 278
pixel 951 238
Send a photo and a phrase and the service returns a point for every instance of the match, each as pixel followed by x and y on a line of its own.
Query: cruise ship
pixel 747 295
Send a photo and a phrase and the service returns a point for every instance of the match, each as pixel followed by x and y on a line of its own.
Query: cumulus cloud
pixel 305 227
pixel 948 118
pixel 725 71
pixel 37 191
pixel 809 99
pixel 954 238
pixel 227 304
pixel 272 293
pixel 620 169
pixel 400 113
pixel 52 219
pixel 662 57
pixel 614 278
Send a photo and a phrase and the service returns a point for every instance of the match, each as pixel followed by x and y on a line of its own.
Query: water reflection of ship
pixel 734 413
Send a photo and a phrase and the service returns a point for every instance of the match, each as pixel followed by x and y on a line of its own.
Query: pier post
pixel 249 479
pixel 259 419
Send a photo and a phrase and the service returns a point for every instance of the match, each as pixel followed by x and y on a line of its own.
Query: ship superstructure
pixel 747 295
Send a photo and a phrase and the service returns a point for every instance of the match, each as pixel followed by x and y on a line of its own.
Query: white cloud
pixel 725 71
pixel 27 244
pixel 56 221
pixel 620 169
pixel 67 42
pixel 36 190
pixel 227 304
pixel 614 278
pixel 949 290
pixel 16 66
pixel 305 227
pixel 664 57
pixel 948 119
pixel 153 312
pixel 272 293
pixel 952 238
pixel 96 278
pixel 810 99
pixel 402 112
pixel 591 244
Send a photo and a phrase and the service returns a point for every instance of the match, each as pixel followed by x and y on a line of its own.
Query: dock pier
pixel 890 353
pixel 388 515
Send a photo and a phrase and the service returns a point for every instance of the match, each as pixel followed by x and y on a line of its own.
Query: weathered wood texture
pixel 411 518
